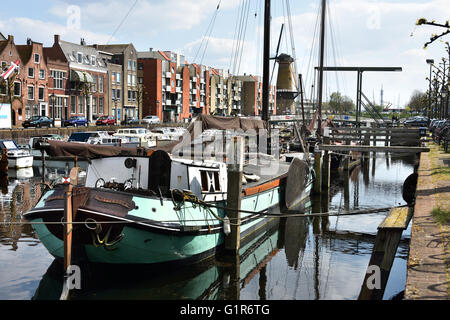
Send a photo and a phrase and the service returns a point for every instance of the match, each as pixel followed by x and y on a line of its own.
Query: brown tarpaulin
pixel 89 151
pixel 206 122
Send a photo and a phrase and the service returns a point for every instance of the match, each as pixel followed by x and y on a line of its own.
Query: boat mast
pixel 322 49
pixel 266 63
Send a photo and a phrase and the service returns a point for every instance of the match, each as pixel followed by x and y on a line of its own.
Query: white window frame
pixel 39 58
pixel 28 93
pixel 79 54
pixel 42 78
pixel 43 96
pixel 29 73
pixel 93 60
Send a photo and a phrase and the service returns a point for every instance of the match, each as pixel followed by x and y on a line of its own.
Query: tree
pixel 418 101
pixel 340 104
pixel 434 37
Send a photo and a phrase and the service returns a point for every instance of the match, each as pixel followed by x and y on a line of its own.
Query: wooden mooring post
pixel 383 254
pixel 326 168
pixel 318 170
pixel 234 194
pixel 68 234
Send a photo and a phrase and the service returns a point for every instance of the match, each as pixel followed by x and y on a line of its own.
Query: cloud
pixel 43 31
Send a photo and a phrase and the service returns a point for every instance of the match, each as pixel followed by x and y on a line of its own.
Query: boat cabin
pixel 158 174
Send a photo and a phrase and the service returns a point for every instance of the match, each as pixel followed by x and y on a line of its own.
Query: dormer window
pixel 93 60
pixel 80 57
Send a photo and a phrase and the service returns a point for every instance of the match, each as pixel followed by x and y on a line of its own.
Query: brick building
pixel 11 91
pixel 85 85
pixel 35 83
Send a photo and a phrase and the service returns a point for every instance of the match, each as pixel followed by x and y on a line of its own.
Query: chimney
pixel 10 38
pixel 151 49
pixel 82 42
pixel 57 38
pixel 29 42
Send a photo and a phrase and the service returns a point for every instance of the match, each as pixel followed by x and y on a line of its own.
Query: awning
pixel 79 76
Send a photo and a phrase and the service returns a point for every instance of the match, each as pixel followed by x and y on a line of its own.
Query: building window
pixel 129 79
pixel 37 58
pixel 30 93
pixel 94 105
pixel 93 60
pixel 113 77
pixel 81 105
pixel 17 89
pixel 134 65
pixel 100 84
pixel 94 85
pixel 80 57
pixel 41 94
pixel 129 65
pixel 113 94
pixel 140 66
pixel 100 105
pixel 42 74
pixel 117 94
pixel 3 88
pixel 118 77
pixel 31 72
pixel 58 107
pixel 58 79
pixel 133 80
pixel 73 104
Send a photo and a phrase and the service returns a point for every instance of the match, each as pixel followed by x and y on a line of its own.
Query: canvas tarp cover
pixel 89 151
pixel 220 123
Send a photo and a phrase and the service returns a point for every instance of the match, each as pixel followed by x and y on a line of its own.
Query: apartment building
pixel 164 76
pixel 11 91
pixel 86 80
pixel 124 87
pixel 35 84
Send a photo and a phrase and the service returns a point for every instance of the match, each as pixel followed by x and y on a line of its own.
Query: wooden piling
pixel 383 254
pixel 326 168
pixel 318 171
pixel 234 194
pixel 67 231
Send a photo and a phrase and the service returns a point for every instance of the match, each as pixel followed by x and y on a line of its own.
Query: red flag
pixel 5 75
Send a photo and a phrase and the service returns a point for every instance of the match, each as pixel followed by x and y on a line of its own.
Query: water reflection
pixel 295 258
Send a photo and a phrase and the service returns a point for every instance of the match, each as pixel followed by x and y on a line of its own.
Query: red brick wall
pixel 152 69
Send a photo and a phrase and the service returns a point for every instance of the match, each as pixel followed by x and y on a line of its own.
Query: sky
pixel 371 33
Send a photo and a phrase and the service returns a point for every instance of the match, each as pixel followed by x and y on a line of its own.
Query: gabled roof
pixel 25 52
pixel 2 37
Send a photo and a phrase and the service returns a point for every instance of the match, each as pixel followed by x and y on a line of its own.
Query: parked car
pixel 416 122
pixel 150 120
pixel 134 120
pixel 76 121
pixel 106 121
pixel 439 129
pixel 38 121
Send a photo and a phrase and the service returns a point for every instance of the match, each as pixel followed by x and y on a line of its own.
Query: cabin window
pixel 210 181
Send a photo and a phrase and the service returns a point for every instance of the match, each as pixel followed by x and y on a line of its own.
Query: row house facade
pixel 27 88
pixel 78 74
pixel 35 83
pixel 125 92
pixel 252 96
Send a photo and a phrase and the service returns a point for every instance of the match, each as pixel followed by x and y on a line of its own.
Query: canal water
pixel 292 259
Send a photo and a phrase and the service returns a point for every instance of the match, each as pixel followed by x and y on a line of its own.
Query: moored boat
pixel 17 158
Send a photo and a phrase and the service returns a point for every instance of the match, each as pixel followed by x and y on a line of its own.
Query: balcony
pixel 178 90
pixel 202 80
pixel 168 74
pixel 178 76
pixel 202 104
pixel 168 102
pixel 194 79
pixel 194 91
pixel 167 88
pixel 202 92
